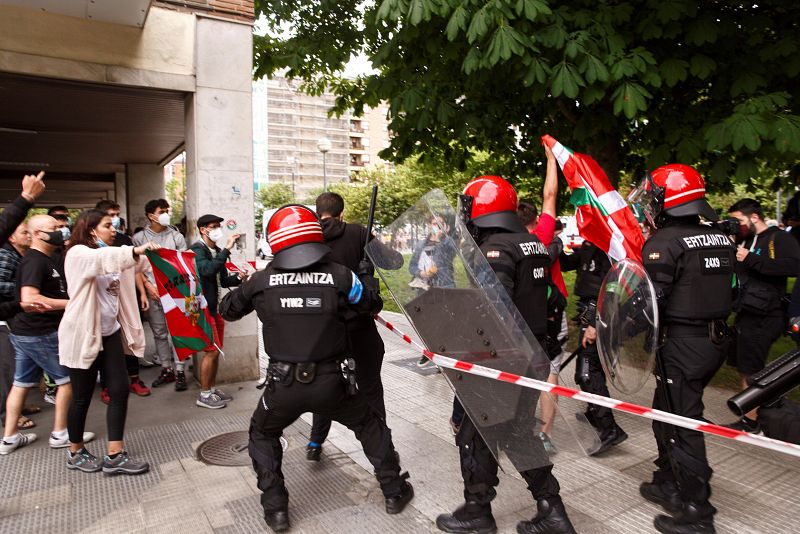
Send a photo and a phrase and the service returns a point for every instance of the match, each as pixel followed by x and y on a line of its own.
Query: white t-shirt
pixel 108 300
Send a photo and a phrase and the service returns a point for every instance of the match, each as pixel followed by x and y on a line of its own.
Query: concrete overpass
pixel 100 94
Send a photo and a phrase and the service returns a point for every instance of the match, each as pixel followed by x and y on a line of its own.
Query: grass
pixel 727 377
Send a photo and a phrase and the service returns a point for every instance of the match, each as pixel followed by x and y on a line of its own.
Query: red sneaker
pixel 104 396
pixel 138 387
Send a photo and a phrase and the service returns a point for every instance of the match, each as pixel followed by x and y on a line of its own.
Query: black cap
pixel 207 219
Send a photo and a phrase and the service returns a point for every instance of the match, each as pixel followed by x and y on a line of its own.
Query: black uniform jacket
pixel 303 312
pixel 692 269
pixel 522 265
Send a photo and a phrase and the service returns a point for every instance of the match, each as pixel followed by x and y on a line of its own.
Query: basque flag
pixel 604 218
pixel 182 299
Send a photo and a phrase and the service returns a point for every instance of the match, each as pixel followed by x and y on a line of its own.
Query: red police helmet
pixel 295 237
pixel 490 202
pixel 684 191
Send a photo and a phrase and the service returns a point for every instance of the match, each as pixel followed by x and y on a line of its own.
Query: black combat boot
pixel 610 439
pixel 469 518
pixel 551 518
pixel 693 518
pixel 277 521
pixel 665 495
pixel 396 503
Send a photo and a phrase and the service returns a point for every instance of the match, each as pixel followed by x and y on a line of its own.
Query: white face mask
pixel 115 222
pixel 215 234
pixel 163 219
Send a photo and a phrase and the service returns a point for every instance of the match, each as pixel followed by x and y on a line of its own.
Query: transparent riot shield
pixel 459 308
pixel 627 326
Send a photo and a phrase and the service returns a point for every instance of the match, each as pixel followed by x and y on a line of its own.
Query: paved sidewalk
pixel 754 490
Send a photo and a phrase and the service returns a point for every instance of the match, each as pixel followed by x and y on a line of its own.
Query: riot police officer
pixel 302 299
pixel 521 262
pixel 592 265
pixel 692 269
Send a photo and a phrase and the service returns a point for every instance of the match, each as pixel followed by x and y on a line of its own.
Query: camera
pixel 728 226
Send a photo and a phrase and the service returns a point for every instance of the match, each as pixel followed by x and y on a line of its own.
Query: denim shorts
pixel 34 355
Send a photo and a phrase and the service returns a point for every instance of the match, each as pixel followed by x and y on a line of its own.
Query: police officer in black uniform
pixel 302 299
pixel 592 265
pixel 522 264
pixel 347 241
pixel 692 268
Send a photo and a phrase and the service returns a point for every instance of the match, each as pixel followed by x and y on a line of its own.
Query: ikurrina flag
pixel 182 299
pixel 604 218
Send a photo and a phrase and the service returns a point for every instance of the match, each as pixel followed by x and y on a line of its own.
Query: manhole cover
pixel 228 449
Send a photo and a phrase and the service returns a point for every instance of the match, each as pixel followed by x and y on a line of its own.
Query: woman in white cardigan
pixel 101 324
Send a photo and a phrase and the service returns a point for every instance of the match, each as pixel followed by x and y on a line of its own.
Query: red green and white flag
pixel 182 299
pixel 604 218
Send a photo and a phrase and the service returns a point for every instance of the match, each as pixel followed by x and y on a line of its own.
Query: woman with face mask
pixel 101 324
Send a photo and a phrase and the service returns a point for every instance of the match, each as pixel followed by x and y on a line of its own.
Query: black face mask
pixel 55 238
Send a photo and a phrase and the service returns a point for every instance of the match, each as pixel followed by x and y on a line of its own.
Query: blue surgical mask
pixel 65 232
pixel 100 243
pixel 115 222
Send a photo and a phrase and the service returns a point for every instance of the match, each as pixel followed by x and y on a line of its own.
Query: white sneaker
pixel 56 443
pixel 22 440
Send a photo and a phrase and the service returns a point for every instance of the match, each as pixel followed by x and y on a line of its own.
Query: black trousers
pixel 479 467
pixel 367 349
pixel 283 403
pixel 689 363
pixel 591 378
pixel 110 363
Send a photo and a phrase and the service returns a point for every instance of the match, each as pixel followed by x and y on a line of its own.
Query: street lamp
pixel 324 145
pixel 292 162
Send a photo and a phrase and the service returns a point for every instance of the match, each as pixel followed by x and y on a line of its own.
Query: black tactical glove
pixel 365 267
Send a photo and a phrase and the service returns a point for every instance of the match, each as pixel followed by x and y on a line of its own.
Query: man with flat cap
pixel 211 269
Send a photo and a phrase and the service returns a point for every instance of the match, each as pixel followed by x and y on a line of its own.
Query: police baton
pixel 371 219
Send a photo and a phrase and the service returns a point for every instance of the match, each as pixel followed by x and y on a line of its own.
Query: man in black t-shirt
pixel 35 336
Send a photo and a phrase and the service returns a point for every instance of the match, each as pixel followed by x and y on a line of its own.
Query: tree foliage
pixel 272 196
pixel 635 84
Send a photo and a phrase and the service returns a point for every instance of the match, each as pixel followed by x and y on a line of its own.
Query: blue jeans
pixel 34 355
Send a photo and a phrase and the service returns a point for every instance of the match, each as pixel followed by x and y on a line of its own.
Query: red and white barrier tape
pixel 642 411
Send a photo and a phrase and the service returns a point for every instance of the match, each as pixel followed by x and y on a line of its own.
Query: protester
pixel 765 258
pixel 101 323
pixel 35 336
pixel 347 241
pixel 431 263
pixel 210 261
pixel 112 209
pixel 13 214
pixel 63 220
pixel 161 233
pixel 544 228
pixel 10 255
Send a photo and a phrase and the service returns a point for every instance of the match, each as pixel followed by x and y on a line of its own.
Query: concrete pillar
pixel 219 163
pixel 143 182
pixel 121 195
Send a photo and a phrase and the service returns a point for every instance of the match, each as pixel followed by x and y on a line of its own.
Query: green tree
pixel 271 196
pixel 635 84
pixel 176 196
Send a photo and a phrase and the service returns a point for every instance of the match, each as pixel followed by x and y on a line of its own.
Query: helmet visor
pixel 646 201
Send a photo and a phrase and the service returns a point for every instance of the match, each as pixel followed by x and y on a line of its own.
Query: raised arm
pixel 550 189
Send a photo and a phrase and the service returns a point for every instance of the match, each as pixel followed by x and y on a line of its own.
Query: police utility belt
pixel 305 373
pixel 717 330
